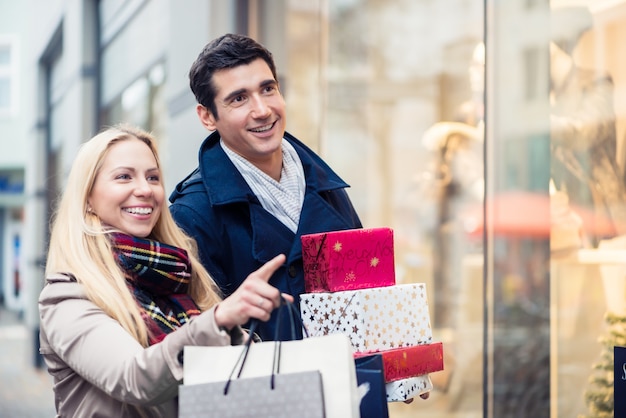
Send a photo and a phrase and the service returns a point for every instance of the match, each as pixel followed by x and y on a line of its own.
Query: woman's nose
pixel 143 188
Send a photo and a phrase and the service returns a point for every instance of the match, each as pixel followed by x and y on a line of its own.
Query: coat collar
pixel 224 183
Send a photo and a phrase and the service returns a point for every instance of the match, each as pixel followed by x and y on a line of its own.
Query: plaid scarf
pixel 158 275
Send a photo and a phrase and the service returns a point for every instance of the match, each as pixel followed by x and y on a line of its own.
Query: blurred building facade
pixel 427 108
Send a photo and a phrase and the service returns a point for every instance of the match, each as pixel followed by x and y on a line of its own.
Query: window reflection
pixel 584 143
pixel 401 110
pixel 588 194
pixel 142 103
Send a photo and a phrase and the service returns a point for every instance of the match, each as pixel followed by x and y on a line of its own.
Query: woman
pixel 124 289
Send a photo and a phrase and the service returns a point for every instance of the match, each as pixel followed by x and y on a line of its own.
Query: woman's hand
pixel 255 298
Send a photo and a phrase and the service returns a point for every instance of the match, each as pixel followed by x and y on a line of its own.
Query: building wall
pixel 59 72
pixel 14 148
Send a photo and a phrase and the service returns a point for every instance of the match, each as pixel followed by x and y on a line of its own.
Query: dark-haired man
pixel 257 188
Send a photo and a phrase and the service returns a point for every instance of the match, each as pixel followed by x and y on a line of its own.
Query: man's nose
pixel 260 108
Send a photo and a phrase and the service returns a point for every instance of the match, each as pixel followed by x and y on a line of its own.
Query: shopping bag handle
pixel 294 319
pixel 277 343
pixel 293 313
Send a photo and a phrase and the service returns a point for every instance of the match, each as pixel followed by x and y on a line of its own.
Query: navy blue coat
pixel 236 235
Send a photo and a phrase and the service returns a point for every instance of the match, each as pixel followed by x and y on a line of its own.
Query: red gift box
pixel 402 363
pixel 348 260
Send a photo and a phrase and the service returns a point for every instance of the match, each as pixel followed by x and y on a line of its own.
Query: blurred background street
pixel 25 391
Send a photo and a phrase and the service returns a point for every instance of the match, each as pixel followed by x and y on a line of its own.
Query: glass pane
pixel 517 209
pixel 588 196
pixel 141 103
pixel 391 94
pixel 140 41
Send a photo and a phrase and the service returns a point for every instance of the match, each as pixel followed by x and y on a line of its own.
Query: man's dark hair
pixel 227 51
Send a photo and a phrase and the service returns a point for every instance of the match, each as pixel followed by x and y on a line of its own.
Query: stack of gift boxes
pixel 351 288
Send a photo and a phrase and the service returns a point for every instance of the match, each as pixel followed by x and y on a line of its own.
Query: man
pixel 257 189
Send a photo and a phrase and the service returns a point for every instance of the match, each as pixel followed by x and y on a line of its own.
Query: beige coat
pixel 99 370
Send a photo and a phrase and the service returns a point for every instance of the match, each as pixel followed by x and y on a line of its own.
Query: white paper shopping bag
pixel 332 355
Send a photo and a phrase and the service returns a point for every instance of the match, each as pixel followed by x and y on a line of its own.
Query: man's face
pixel 251 111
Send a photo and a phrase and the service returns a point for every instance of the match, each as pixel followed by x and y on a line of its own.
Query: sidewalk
pixel 25 391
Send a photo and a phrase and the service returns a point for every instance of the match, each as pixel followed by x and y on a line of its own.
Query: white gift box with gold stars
pixel 375 319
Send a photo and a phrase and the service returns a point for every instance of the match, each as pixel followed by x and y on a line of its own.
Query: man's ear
pixel 206 117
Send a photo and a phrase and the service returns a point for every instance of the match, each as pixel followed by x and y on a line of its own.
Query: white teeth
pixel 139 211
pixel 263 129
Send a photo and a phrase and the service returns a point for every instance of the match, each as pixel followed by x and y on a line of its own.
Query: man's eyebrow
pixel 269 82
pixel 233 94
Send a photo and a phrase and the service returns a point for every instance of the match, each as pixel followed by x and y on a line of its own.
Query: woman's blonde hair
pixel 80 246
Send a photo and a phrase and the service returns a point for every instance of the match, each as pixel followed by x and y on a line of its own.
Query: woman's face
pixel 127 193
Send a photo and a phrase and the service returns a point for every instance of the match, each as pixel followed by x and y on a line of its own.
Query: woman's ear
pixel 206 117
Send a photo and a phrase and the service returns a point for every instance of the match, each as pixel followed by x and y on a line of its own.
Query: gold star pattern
pixel 374 319
pixel 338 246
pixel 374 262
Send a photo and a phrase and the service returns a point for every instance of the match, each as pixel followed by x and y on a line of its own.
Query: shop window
pixel 141 103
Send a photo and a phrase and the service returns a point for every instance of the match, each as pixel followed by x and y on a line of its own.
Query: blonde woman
pixel 125 291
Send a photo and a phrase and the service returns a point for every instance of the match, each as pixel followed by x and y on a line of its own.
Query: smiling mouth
pixel 139 211
pixel 263 128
